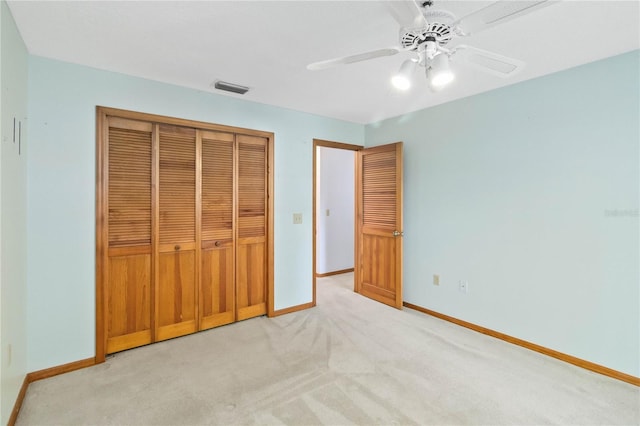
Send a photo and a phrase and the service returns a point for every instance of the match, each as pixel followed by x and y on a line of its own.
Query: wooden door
pixel 176 299
pixel 379 224
pixel 183 227
pixel 128 227
pixel 251 228
pixel 217 290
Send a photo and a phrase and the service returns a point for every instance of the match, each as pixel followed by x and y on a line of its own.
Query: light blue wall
pixel 61 193
pixel 13 212
pixel 515 190
pixel 530 193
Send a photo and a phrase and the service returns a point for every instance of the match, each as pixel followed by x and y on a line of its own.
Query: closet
pixel 184 228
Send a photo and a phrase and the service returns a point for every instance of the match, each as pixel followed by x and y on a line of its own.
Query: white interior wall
pixel 13 212
pixel 335 203
pixel 530 193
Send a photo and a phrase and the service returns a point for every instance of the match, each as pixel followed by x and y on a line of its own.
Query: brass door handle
pixel 177 247
pixel 217 243
pixel 398 234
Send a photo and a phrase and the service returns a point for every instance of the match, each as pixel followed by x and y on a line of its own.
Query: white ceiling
pixel 266 45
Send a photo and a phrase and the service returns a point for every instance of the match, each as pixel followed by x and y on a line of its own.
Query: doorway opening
pixel 376 219
pixel 334 211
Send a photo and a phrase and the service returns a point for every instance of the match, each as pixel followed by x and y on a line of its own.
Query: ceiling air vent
pixel 230 87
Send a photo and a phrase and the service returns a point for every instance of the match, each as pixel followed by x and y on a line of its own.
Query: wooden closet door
pixel 217 301
pixel 129 224
pixel 251 270
pixel 176 299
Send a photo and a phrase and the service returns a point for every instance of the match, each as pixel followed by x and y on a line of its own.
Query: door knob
pixel 397 233
pixel 177 247
pixel 217 243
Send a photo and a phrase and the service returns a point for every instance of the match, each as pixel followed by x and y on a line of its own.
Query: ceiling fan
pixel 426 32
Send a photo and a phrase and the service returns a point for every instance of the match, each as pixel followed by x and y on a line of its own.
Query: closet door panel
pixel 176 294
pixel 217 186
pixel 129 302
pixel 129 223
pixel 251 279
pixel 129 176
pixel 177 175
pixel 217 305
pixel 251 264
pixel 176 297
pixel 217 286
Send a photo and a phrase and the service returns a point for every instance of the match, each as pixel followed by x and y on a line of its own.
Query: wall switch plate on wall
pixel 463 286
pixel 436 279
pixel 297 218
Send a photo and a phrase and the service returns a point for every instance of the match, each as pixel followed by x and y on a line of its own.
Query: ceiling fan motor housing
pixel 440 33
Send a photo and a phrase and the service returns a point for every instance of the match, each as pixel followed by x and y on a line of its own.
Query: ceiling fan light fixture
pixel 442 79
pixel 439 73
pixel 402 80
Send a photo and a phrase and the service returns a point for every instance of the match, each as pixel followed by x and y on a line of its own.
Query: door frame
pixel 102 193
pixel 327 144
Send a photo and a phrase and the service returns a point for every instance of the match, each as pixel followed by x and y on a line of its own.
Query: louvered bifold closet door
pixel 251 227
pixel 129 225
pixel 217 301
pixel 176 299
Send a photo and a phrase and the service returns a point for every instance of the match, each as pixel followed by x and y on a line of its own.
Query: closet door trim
pixel 162 119
pixel 102 261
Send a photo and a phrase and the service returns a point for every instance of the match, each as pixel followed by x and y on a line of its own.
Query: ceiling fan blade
pixel 497 13
pixel 353 58
pixel 493 63
pixel 406 13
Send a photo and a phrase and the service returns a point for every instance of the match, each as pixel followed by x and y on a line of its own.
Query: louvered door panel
pixel 129 183
pixel 251 227
pixel 379 190
pixel 176 312
pixel 218 249
pixel 128 290
pixel 379 242
pixel 177 185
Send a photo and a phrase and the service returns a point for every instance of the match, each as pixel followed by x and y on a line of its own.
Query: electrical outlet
pixel 436 279
pixel 463 286
pixel 297 218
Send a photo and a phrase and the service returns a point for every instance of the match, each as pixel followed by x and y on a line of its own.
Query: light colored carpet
pixel 350 360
